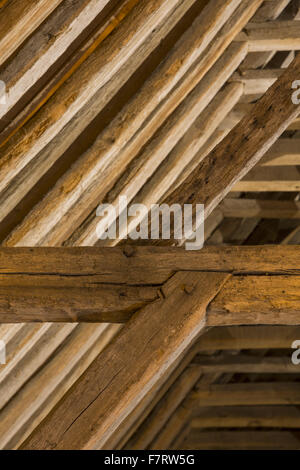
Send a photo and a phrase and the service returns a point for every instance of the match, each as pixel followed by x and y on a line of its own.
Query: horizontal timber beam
pixel 247 417
pixel 257 300
pixel 134 265
pixel 271 35
pixel 243 440
pixel 244 394
pixel 245 364
pixel 264 209
pixel 111 284
pixel 248 337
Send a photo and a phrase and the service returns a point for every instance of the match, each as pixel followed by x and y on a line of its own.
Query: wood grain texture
pixel 254 300
pixel 116 382
pixel 133 265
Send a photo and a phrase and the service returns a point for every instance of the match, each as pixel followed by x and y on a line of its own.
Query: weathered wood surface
pixel 146 265
pixel 116 382
pixel 257 300
pixel 43 300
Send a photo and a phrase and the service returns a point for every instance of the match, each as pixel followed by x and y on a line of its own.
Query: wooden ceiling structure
pixel 149 347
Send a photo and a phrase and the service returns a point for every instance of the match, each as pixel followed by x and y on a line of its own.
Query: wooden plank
pixel 46 54
pixel 257 300
pixel 134 265
pixel 264 209
pixel 243 147
pixel 244 394
pixel 239 440
pixel 41 301
pixel 248 300
pixel 116 382
pixel 247 417
pixel 245 364
pixel 248 337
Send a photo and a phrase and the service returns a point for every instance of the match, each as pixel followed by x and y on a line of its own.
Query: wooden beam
pixel 256 81
pixel 82 97
pixel 275 178
pixel 244 364
pixel 244 394
pixel 116 382
pixel 134 265
pixel 257 300
pixel 248 337
pixel 272 35
pixel 247 417
pixel 243 147
pixel 58 300
pixel 264 209
pixel 244 300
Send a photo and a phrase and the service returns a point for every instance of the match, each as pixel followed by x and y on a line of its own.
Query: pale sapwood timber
pixel 244 394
